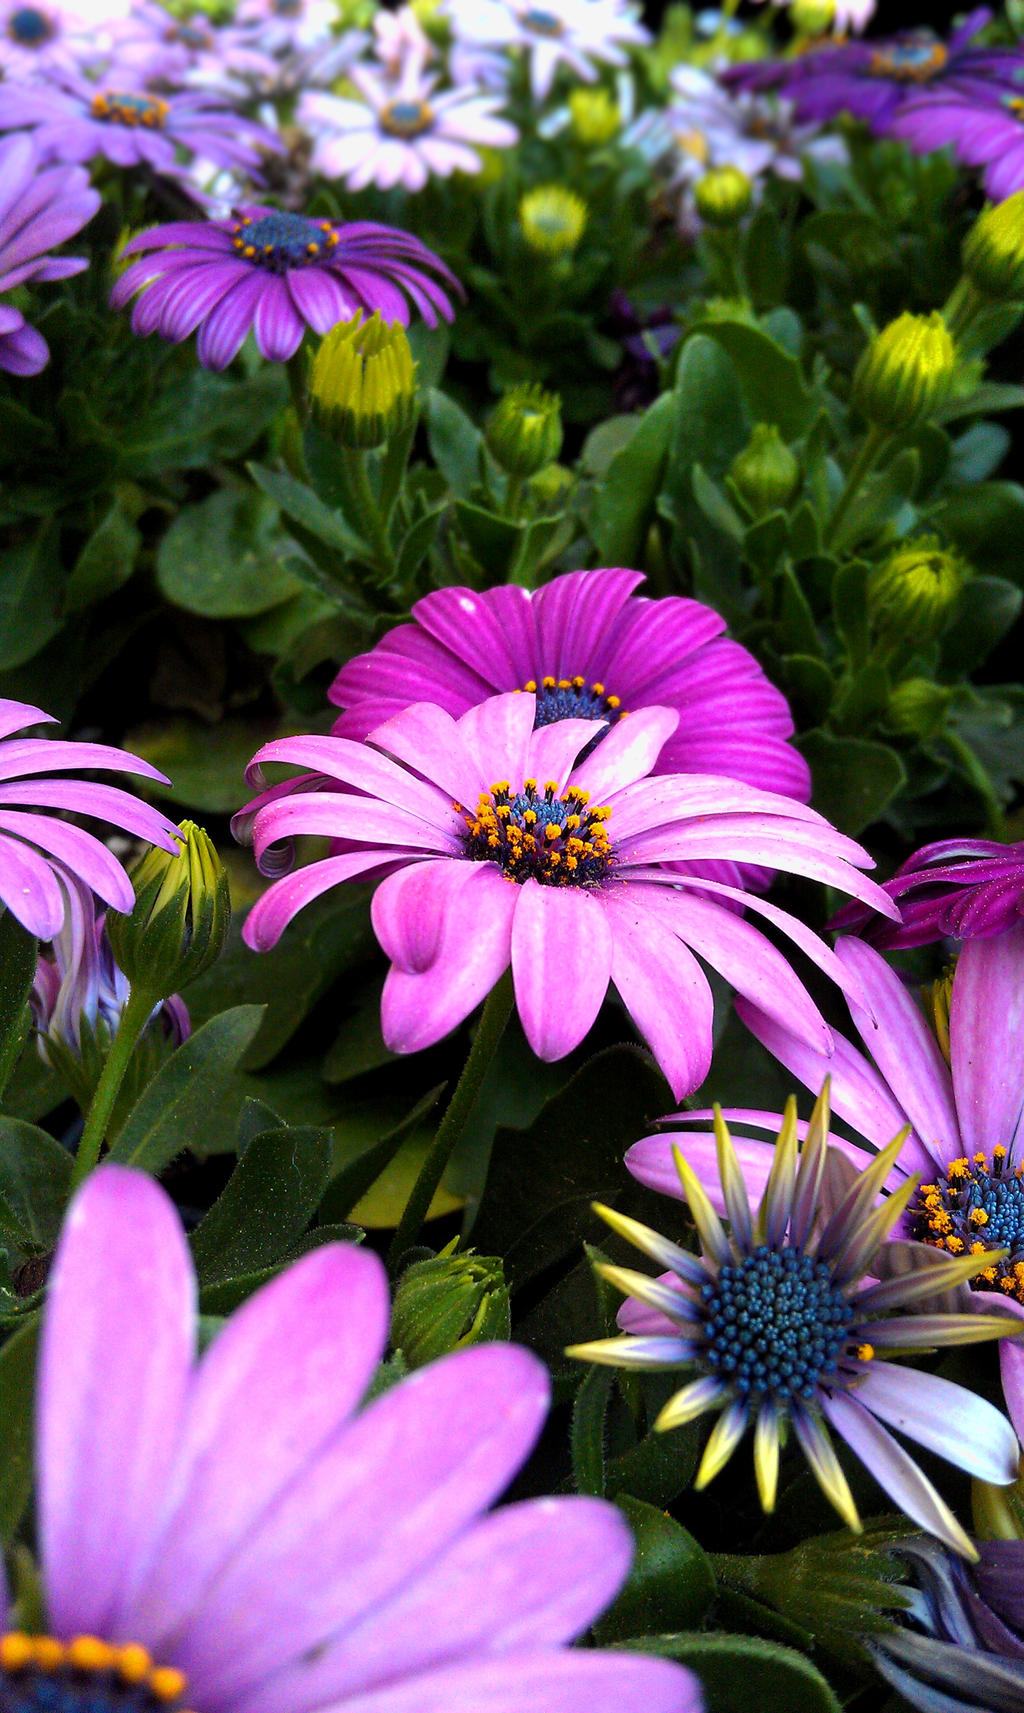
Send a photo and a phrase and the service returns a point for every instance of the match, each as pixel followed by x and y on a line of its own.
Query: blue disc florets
pixel 542 22
pixel 978 1205
pixel 280 241
pixel 29 27
pixel 776 1323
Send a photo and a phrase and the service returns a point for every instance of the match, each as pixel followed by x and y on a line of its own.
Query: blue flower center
pixel 542 23
pixel 575 699
pixel 406 118
pixel 39 1674
pixel 535 835
pixel 189 36
pixel 776 1324
pixel 282 241
pixel 117 108
pixel 30 28
pixel 909 62
pixel 979 1205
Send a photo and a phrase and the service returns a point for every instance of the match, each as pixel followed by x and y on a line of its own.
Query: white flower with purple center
pixel 402 132
pixel 192 51
pixel 39 209
pixel 284 27
pixel 571 37
pixel 713 127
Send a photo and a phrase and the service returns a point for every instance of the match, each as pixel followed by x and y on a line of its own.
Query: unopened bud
pixel 993 252
pixel 766 473
pixel 362 387
pixel 938 997
pixel 917 708
pixel 553 219
pixel 524 430
pixel 448 1302
pixel 723 196
pixel 181 917
pixel 906 372
pixel 913 593
pixel 812 17
pixel 594 116
pixel 998 1511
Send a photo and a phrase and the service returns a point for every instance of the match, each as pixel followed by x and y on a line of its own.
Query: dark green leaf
pixel 18 952
pixel 17 1392
pixel 492 540
pixel 106 561
pixel 671 1583
pixel 988 607
pixel 35 1174
pixel 987 523
pixel 304 505
pixel 225 557
pixel 31 590
pixel 770 377
pixel 854 779
pixel 587 1438
pixel 192 1095
pixel 624 504
pixel 743 1674
pixel 269 1200
pixel 455 443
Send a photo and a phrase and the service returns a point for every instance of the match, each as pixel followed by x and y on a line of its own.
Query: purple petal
pixel 896 1472
pixel 430 742
pixel 497 734
pixel 561 964
pixel 627 753
pixel 79 851
pixel 492 632
pixel 549 1682
pixel 271 914
pixel 343 815
pixel 651 1162
pixel 662 987
pixel 573 613
pixel 417 1010
pixel 412 910
pixel 357 765
pixel 278 325
pixel 947 1419
pixel 29 889
pixel 986 1038
pixel 226 326
pixel 15 715
pixel 554 748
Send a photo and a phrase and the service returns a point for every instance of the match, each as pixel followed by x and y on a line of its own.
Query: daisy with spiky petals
pixel 572 35
pixel 39 209
pixel 783 1326
pixel 237 1533
pixel 957 889
pixel 402 132
pixel 37 849
pixel 276 274
pixel 959 1084
pixel 492 847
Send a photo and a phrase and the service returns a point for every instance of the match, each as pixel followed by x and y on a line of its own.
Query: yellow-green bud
pixel 917 708
pixel 906 372
pixel 594 116
pixel 524 430
pixel 723 196
pixel 181 917
pixel 998 1511
pixel 938 998
pixel 448 1302
pixel 812 17
pixel 766 472
pixel 362 387
pixel 913 593
pixel 993 251
pixel 553 219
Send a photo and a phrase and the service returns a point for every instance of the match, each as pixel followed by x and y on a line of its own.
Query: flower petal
pixel 986 1039
pixel 561 964
pixel 662 987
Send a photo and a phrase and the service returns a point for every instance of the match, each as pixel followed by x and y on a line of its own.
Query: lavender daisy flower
pixel 957 889
pixel 555 869
pixel 160 48
pixel 713 127
pixel 960 1088
pixel 39 209
pixel 240 1531
pixel 276 274
pixel 76 120
pixel 782 1323
pixel 44 36
pixel 573 36
pixel 984 127
pixel 402 132
pixel 36 849
pixel 286 27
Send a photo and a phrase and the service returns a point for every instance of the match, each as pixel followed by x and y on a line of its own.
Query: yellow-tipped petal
pixel 708 1224
pixel 811 1170
pixel 734 1189
pixel 624 1352
pixel 766 1455
pixel 651 1242
pixel 691 1401
pixel 646 1290
pixel 826 1468
pixel 777 1201
pixel 724 1438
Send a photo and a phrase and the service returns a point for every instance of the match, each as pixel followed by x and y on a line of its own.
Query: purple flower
pixel 966 1116
pixel 35 850
pixel 984 127
pixel 276 274
pixel 572 35
pixel 960 889
pixel 42 36
pixel 125 123
pixel 274 1547
pixel 174 51
pixel 402 132
pixel 783 1322
pixel 589 649
pixel 554 868
pixel 38 211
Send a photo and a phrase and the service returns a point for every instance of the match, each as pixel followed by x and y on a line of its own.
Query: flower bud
pixel 448 1302
pixel 938 997
pixel 906 372
pixel 917 708
pixel 998 1512
pixel 993 252
pixel 524 430
pixel 913 593
pixel 812 17
pixel 766 472
pixel 362 386
pixel 723 196
pixel 181 917
pixel 594 116
pixel 553 219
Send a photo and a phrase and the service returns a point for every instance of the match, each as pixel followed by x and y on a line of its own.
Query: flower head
pixel 362 386
pixel 957 889
pixel 276 274
pixel 241 1531
pixel 572 35
pixel 713 127
pixel 39 209
pixel 981 123
pixel 39 37
pixel 492 847
pixel 783 1325
pixel 38 850
pixel 552 219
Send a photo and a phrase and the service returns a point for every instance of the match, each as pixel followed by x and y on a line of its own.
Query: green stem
pixel 496 1012
pixel 371 521
pixel 962 309
pixel 296 367
pixel 977 776
pixel 134 1018
pixel 863 465
pixel 513 495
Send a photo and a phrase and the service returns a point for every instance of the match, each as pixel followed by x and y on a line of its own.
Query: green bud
pixel 181 917
pixel 906 372
pixel 524 430
pixel 812 17
pixel 448 1302
pixel 362 386
pixel 938 1000
pixel 723 196
pixel 917 708
pixel 993 252
pixel 552 219
pixel 998 1511
pixel 912 594
pixel 766 472
pixel 594 115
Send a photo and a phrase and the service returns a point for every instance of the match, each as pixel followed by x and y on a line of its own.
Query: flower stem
pixel 977 776
pixel 371 522
pixel 134 1018
pixel 296 367
pixel 496 1012
pixel 862 467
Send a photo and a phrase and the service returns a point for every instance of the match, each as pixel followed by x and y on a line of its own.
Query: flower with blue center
pixel 569 36
pixel 39 208
pixel 786 1322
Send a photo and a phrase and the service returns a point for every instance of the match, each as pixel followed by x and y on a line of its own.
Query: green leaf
pixel 808 681
pixel 106 561
pixel 671 1583
pixel 456 444
pixel 194 1092
pixel 18 953
pixel 587 1438
pixel 988 607
pixel 305 507
pixel 35 1175
pixel 204 764
pixel 743 1674
pixel 880 499
pixel 716 507
pixel 986 522
pixel 31 590
pixel 202 417
pixel 770 377
pixel 358 1177
pixel 711 425
pixel 854 778
pixel 492 540
pixel 269 1200
pixel 225 557
pixel 17 1394
pixel 625 498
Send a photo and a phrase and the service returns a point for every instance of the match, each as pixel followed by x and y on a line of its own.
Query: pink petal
pixel 662 987
pixel 417 1010
pixel 561 964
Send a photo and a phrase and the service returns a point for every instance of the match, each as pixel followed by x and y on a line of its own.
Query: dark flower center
pixel 287 8
pixel 406 118
pixel 39 1674
pixel 557 841
pixel 977 1206
pixel 542 23
pixel 189 36
pixel 282 241
pixel 776 1323
pixel 30 28
pixel 909 62
pixel 574 699
pixel 130 110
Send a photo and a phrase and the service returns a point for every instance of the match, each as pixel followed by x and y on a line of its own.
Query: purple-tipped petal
pixel 947 1419
pixel 896 1472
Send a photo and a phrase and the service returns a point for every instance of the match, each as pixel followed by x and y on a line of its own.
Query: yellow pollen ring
pixel 92 1656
